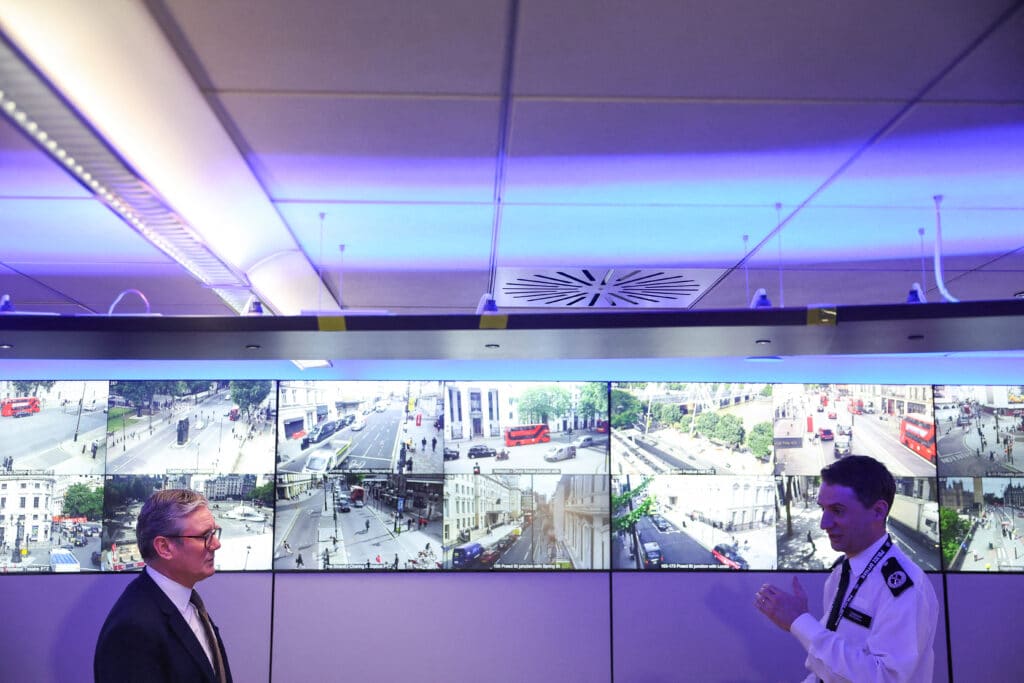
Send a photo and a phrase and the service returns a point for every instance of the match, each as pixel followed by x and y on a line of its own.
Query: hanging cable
pixel 778 236
pixel 924 277
pixel 746 271
pixel 110 311
pixel 939 280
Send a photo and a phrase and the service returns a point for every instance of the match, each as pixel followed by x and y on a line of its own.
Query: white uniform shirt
pixel 897 645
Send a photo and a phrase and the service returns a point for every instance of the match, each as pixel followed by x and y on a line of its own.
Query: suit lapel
pixel 177 625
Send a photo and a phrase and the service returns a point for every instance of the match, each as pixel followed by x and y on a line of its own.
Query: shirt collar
pixel 175 592
pixel 861 559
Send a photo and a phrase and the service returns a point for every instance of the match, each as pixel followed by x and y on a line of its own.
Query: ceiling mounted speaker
pixel 601 287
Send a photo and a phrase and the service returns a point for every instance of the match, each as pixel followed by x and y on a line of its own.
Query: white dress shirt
pixel 181 597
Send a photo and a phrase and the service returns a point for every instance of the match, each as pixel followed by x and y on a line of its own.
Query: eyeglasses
pixel 207 537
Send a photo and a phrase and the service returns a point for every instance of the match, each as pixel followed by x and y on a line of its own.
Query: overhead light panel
pixel 29 102
pixel 312 364
pixel 99 87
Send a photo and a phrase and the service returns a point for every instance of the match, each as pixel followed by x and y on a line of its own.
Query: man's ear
pixel 163 547
pixel 881 509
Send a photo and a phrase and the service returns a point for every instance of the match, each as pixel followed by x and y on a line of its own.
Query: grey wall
pixel 492 626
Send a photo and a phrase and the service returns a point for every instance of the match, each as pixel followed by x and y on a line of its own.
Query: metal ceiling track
pixel 841 330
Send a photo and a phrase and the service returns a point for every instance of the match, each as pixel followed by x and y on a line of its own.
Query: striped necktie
pixel 211 637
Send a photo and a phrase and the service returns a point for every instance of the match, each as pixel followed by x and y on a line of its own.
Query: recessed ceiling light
pixel 6 347
pixel 763 341
pixel 915 337
pixel 252 347
pixel 1019 295
pixel 492 346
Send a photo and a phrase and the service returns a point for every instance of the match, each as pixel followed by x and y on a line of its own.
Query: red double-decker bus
pixel 601 427
pixel 19 406
pixel 527 434
pixel 917 432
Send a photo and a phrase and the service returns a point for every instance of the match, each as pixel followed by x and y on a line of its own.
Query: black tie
pixel 211 637
pixel 844 583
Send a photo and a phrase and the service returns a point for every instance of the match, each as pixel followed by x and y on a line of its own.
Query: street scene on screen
pixel 526 428
pixel 979 429
pixel 329 427
pixel 982 523
pixel 816 424
pixel 678 521
pixel 194 426
pixel 242 504
pixel 691 428
pixel 55 426
pixel 375 521
pixel 803 544
pixel 526 521
pixel 50 522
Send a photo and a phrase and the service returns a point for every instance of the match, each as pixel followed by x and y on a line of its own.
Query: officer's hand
pixel 779 606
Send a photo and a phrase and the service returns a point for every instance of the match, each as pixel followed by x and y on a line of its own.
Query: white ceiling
pixel 581 134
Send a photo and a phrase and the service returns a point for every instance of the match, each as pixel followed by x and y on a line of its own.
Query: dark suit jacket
pixel 146 639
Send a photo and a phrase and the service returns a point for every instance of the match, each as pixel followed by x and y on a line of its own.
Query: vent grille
pixel 601 287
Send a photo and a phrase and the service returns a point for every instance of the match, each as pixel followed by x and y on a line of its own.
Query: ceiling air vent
pixel 601 287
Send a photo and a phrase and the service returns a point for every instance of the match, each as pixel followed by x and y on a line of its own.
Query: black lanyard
pixel 879 554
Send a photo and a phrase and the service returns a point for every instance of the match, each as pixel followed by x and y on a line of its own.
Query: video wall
pixel 503 476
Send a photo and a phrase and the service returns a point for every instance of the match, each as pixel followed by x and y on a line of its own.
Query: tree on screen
pixel 625 409
pixel 706 423
pixel 31 387
pixel 249 394
pixel 143 393
pixel 264 494
pixel 667 413
pixel 760 440
pixel 593 400
pixel 952 530
pixel 729 430
pixel 81 500
pixel 541 404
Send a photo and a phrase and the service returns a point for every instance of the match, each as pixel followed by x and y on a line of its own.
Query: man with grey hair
pixel 159 629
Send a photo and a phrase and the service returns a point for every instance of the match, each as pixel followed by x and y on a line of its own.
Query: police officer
pixel 883 615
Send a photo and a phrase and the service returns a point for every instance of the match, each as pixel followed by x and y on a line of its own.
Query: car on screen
pixel 584 442
pixel 825 434
pixel 489 557
pixel 451 453
pixel 358 425
pixel 556 453
pixel 480 451
pixel 727 555
pixel 343 505
pixel 319 433
pixel 652 556
pixel 660 522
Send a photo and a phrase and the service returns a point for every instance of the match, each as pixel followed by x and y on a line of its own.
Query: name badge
pixel 857 617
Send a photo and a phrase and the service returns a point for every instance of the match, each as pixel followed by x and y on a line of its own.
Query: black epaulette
pixel 895 577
